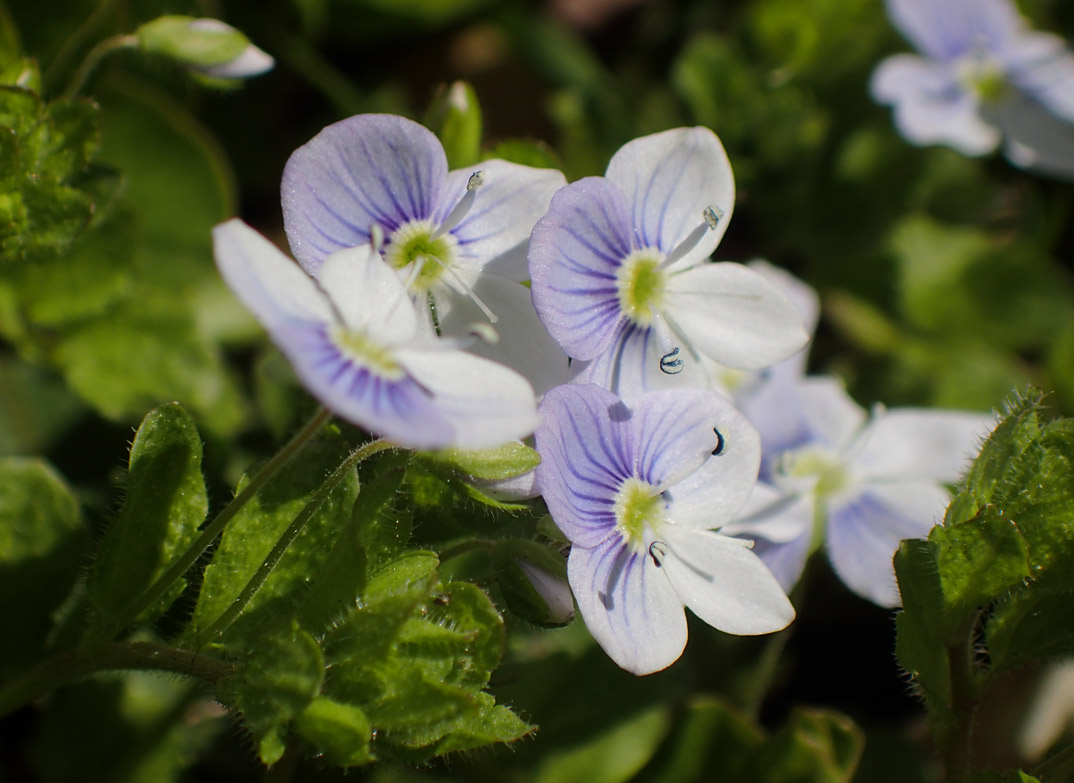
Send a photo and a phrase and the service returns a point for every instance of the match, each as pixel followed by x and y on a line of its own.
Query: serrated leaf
pixel 1030 626
pixel 41 542
pixel 383 531
pixel 165 504
pixel 281 674
pixel 254 531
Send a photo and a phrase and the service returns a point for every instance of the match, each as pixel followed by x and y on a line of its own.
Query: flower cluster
pixel 643 349
pixel 984 76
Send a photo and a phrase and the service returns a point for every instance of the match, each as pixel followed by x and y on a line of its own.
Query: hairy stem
pixel 66 667
pixel 181 565
pixel 221 623
pixel 956 742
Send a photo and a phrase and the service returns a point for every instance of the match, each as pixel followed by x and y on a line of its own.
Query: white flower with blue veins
pixel 638 489
pixel 856 483
pixel 456 238
pixel 983 76
pixel 623 281
pixel 357 343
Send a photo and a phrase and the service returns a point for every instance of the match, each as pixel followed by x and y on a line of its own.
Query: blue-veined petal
pixel 669 179
pixel 781 528
pixel 724 583
pixel 628 605
pixel 575 253
pixel 946 29
pixel 369 169
pixel 369 296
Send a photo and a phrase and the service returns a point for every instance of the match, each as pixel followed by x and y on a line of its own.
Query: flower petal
pixel 1042 67
pixel 269 283
pixel 734 315
pixel 368 295
pixel 724 583
pixel 669 179
pixel 1036 139
pixel 575 253
pixel 494 234
pixel 584 459
pixel 485 403
pixel 911 443
pixel 369 169
pixel 628 605
pixel 945 30
pixel 523 345
pixel 781 528
pixel 864 531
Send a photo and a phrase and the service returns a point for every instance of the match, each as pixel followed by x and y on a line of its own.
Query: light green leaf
pixel 455 117
pixel 339 732
pixel 510 459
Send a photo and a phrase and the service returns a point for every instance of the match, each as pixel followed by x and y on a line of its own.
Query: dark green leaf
pixel 340 732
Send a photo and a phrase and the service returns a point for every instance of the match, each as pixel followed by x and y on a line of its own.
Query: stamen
pixel 376 237
pixel 470 293
pixel 658 550
pixel 477 179
pixel 484 332
pixel 669 365
pixel 720 443
pixel 419 263
pixel 711 217
pixel 677 330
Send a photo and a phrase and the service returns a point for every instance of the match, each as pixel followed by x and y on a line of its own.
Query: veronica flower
pixel 357 343
pixel 457 239
pixel 857 483
pixel 983 75
pixel 621 276
pixel 637 490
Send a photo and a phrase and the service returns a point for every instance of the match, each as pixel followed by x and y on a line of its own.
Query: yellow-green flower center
pixel 812 462
pixel 638 505
pixel 413 245
pixel 984 77
pixel 640 284
pixel 365 352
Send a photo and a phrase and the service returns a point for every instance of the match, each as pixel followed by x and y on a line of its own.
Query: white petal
pixel 735 315
pixel 724 583
pixel 669 179
pixel 628 605
pixel 495 233
pixel 524 344
pixel 488 404
pixel 368 294
pixel 270 284
pixel 1042 67
pixel 773 515
pixel 864 531
pixel 912 443
pixel 1036 139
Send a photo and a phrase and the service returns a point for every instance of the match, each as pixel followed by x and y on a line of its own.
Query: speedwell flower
pixel 984 75
pixel 621 276
pixel 860 484
pixel 638 490
pixel 457 239
pixel 358 345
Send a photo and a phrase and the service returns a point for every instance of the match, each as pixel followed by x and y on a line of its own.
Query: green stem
pixel 956 742
pixel 180 566
pixel 1059 766
pixel 76 40
pixel 221 623
pixel 69 666
pixel 94 58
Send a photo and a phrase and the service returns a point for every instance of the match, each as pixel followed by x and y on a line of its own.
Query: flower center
pixel 812 464
pixel 982 76
pixel 638 505
pixel 416 245
pixel 365 352
pixel 640 284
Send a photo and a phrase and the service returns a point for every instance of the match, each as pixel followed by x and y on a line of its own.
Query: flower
pixel 621 276
pixel 208 47
pixel 457 239
pixel 861 484
pixel 357 343
pixel 984 75
pixel 637 490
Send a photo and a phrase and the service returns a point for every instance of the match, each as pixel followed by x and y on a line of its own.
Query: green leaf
pixel 165 504
pixel 339 732
pixel 527 153
pixel 281 675
pixel 41 543
pixel 455 117
pixel 1031 626
pixel 254 531
pixel 510 459
pixel 815 746
pixel 383 531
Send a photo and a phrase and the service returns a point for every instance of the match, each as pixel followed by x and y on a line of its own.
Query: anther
pixel 711 217
pixel 720 443
pixel 658 550
pixel 670 365
pixel 376 237
pixel 477 179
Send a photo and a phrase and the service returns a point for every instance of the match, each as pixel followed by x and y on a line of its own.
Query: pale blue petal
pixel 494 234
pixel 369 296
pixel 724 583
pixel 947 29
pixel 781 528
pixel 575 253
pixel 583 440
pixel 669 179
pixel 1035 139
pixel 1041 65
pixel 628 605
pixel 864 531
pixel 369 169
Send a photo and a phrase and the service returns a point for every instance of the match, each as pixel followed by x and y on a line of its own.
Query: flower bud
pixel 207 47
